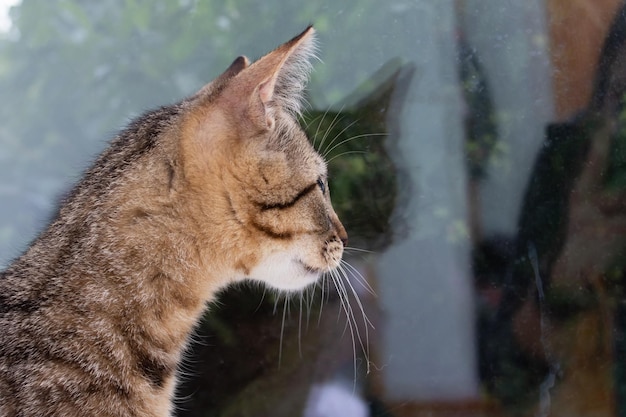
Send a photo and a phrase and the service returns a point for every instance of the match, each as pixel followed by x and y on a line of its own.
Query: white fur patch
pixel 284 272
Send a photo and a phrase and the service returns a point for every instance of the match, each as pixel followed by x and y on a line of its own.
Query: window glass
pixel 477 157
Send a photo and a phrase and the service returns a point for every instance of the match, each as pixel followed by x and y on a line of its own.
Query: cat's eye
pixel 321 184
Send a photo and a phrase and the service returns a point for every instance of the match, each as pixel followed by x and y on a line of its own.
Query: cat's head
pixel 245 157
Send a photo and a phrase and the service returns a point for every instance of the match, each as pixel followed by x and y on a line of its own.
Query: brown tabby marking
pixel 221 187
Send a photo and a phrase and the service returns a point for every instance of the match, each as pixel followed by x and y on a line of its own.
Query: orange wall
pixel 577 31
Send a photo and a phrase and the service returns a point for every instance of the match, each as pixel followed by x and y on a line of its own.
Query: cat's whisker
pixel 310 299
pixel 341 299
pixel 366 321
pixel 324 151
pixel 354 327
pixel 343 280
pixel 263 299
pixel 276 300
pixel 345 153
pixel 330 127
pixel 342 305
pixel 310 122
pixel 300 327
pixel 359 277
pixel 282 331
pixel 319 125
pixel 365 135
pixel 353 249
pixel 341 310
pixel 345 303
pixel 322 302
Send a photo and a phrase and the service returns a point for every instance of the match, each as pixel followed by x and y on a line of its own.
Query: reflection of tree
pixel 481 133
pixel 480 124
pixel 574 218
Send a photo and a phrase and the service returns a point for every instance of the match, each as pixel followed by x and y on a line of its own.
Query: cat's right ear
pixel 275 81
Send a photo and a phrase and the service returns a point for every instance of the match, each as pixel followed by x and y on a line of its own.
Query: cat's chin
pixel 285 273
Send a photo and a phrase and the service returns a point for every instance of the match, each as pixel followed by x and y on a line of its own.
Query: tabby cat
pixel 219 188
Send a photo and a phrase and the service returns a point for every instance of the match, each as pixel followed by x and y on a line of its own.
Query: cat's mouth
pixel 310 269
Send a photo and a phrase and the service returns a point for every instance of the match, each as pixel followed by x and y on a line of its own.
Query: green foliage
pixel 482 142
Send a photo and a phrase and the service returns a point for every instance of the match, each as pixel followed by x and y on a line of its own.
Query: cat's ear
pixel 238 65
pixel 277 79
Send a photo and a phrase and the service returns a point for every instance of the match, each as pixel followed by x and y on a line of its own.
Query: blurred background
pixel 477 151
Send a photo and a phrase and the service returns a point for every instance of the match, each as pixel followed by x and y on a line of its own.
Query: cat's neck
pixel 139 281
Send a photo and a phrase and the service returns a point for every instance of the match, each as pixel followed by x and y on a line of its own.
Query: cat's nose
pixel 343 235
pixel 339 229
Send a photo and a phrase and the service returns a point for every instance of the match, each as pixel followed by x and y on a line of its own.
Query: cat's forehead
pixel 307 162
pixel 313 159
pixel 291 139
pixel 321 164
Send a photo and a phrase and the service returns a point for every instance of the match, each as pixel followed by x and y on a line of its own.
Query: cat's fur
pixel 221 187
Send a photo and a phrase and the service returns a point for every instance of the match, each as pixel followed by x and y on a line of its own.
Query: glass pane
pixel 476 158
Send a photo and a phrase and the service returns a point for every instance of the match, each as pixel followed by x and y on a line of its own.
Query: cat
pixel 221 187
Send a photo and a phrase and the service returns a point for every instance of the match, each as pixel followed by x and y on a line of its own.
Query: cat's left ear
pixel 238 65
pixel 276 80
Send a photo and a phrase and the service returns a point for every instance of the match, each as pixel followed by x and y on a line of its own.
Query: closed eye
pixel 290 203
pixel 321 184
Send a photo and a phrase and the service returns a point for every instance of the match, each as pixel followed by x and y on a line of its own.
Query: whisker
pixel 344 301
pixel 318 127
pixel 350 248
pixel 340 305
pixel 263 299
pixel 300 328
pixel 347 309
pixel 306 126
pixel 341 274
pixel 332 124
pixel 328 151
pixel 330 143
pixel 322 286
pixel 310 294
pixel 359 278
pixel 366 320
pixel 357 252
pixel 343 154
pixel 276 304
pixel 282 332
